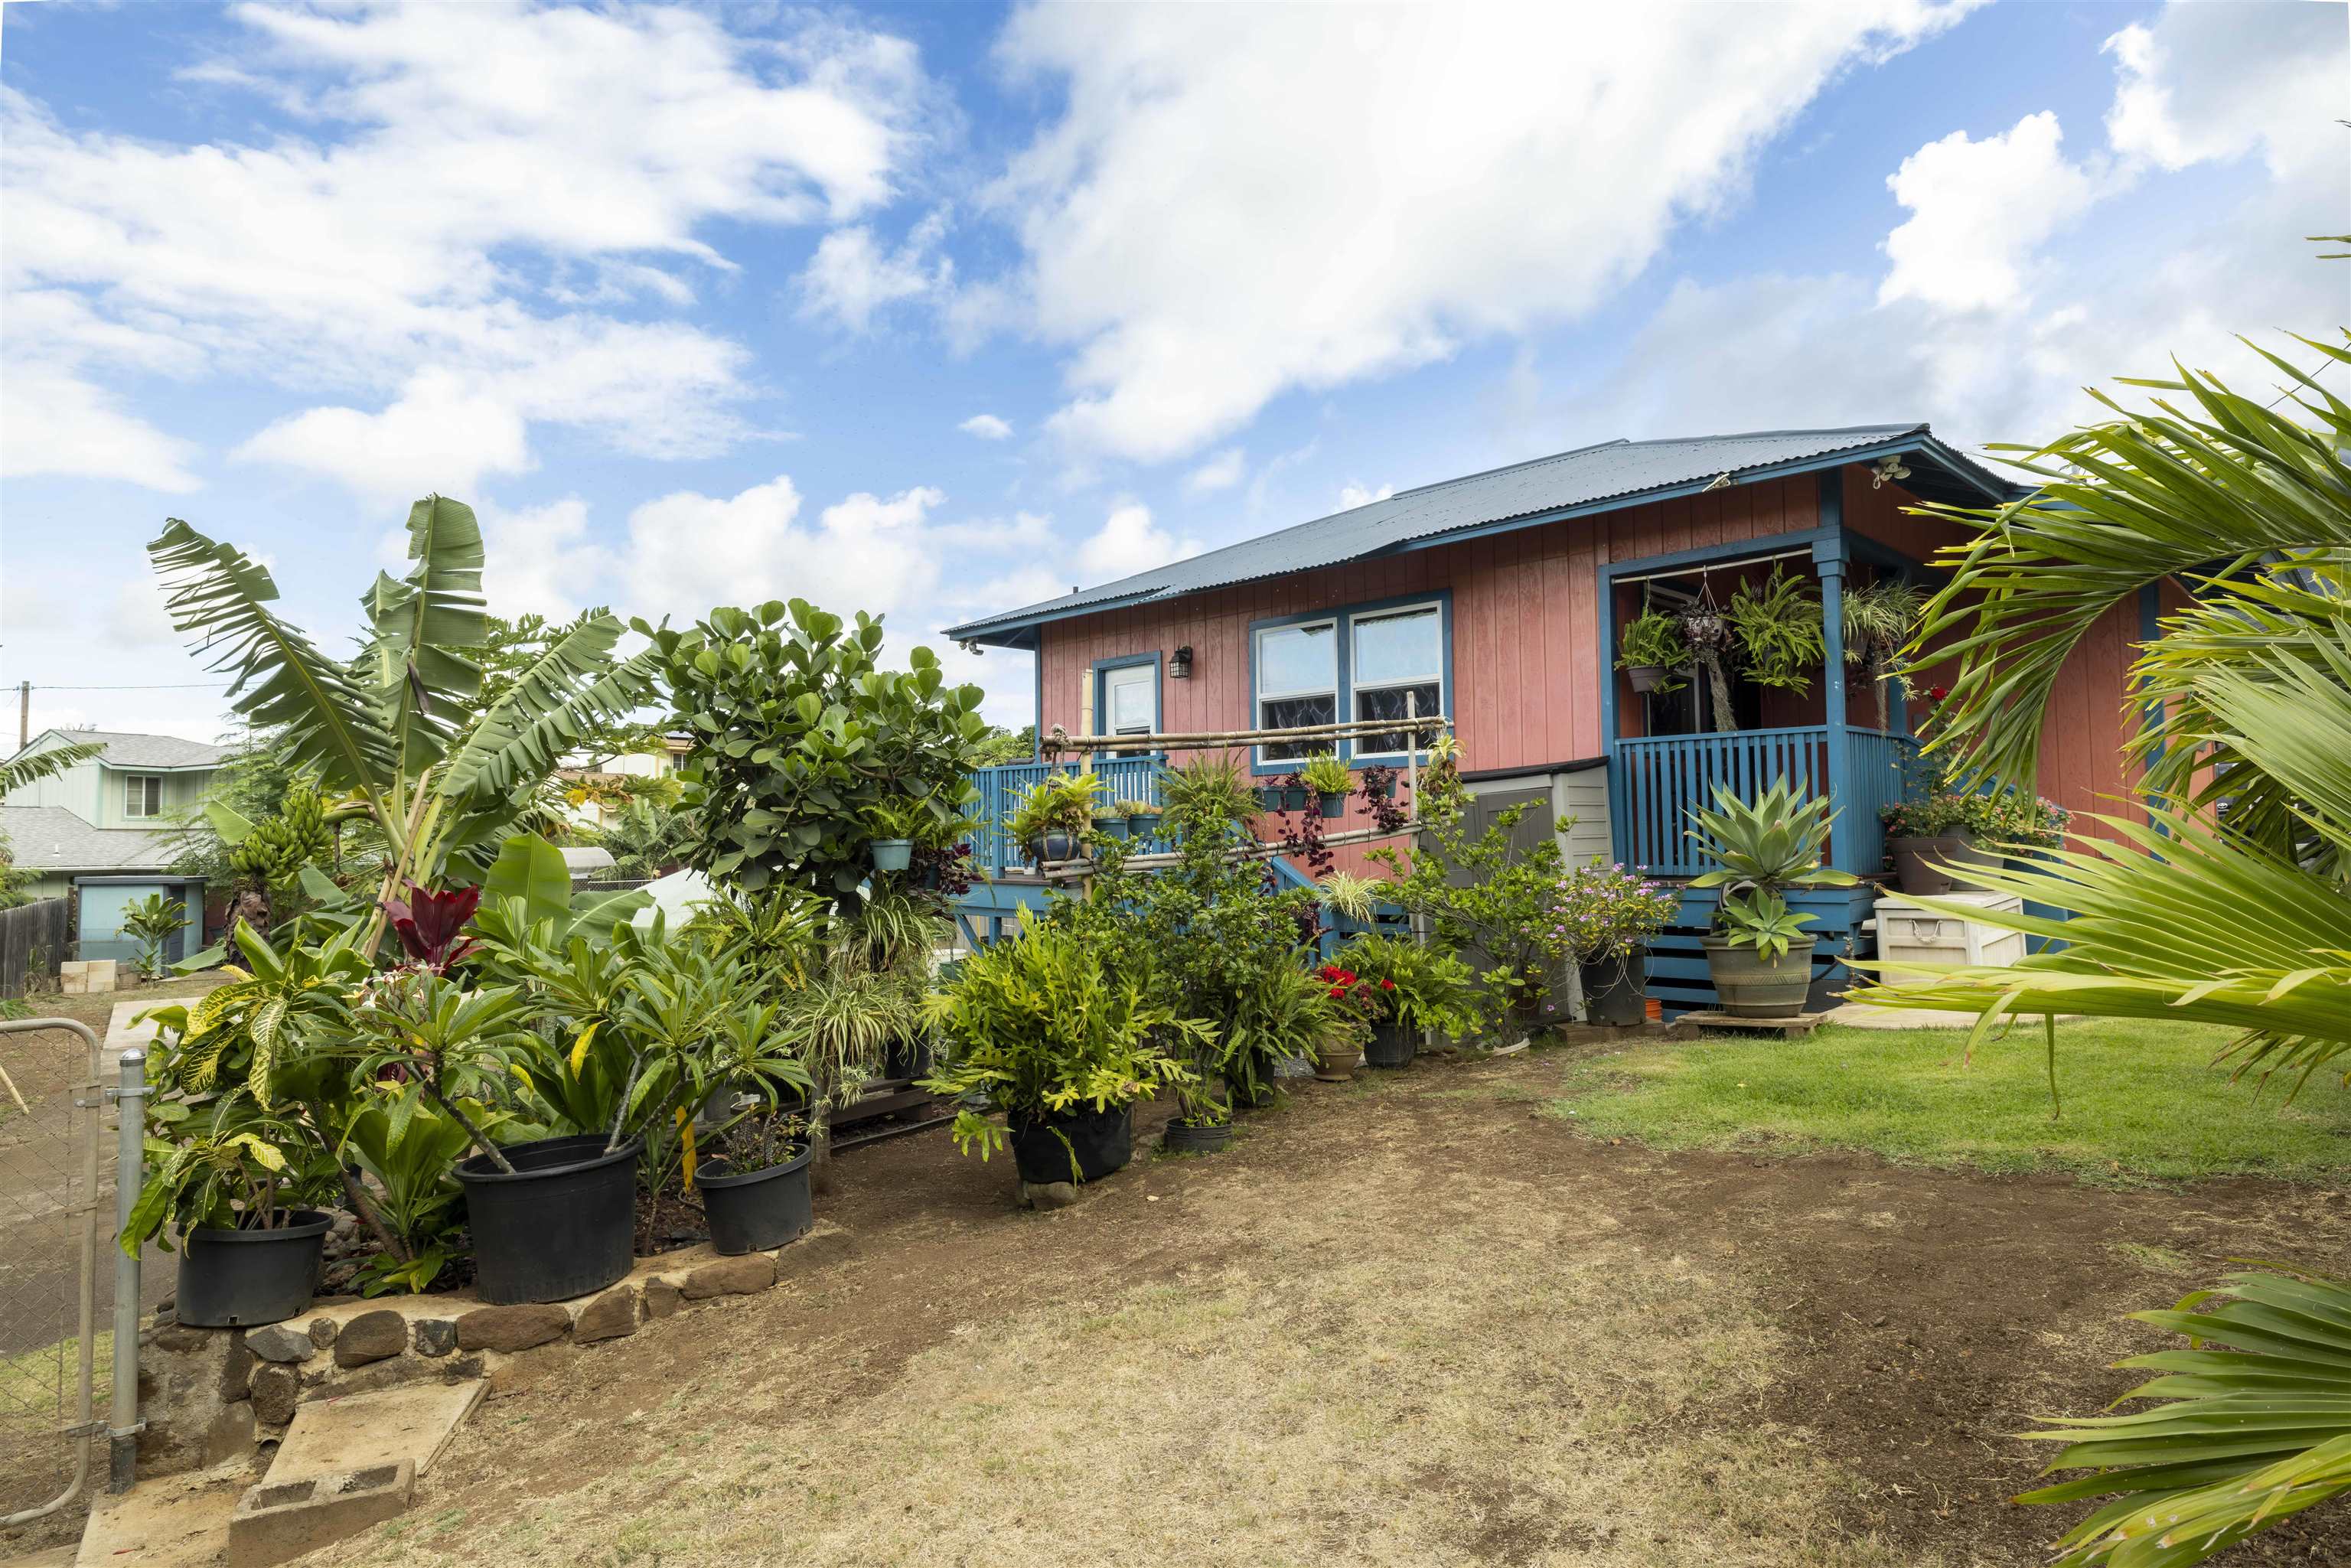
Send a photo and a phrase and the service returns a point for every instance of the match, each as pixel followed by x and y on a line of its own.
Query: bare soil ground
pixel 1408 1320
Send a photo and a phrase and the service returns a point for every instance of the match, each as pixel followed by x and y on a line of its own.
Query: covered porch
pixel 1836 736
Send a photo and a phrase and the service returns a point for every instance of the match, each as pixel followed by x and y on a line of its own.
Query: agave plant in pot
pixel 1038 1028
pixel 1758 957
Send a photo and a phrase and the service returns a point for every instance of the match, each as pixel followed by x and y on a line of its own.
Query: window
pixel 1129 700
pixel 143 795
pixel 1297 682
pixel 1399 671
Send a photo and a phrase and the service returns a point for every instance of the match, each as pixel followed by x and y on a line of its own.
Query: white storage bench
pixel 1908 933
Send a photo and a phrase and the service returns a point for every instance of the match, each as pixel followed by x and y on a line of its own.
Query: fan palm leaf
pixel 2214 484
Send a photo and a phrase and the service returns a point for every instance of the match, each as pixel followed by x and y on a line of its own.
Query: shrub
pixel 1604 912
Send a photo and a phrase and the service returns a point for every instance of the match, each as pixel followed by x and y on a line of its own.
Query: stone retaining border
pixel 211 1395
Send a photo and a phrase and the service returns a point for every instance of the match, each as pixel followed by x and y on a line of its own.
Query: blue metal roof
pixel 1588 479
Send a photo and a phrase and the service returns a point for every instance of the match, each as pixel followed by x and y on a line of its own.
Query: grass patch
pixel 2141 1102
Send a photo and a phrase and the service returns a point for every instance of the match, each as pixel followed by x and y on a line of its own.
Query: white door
pixel 1131 699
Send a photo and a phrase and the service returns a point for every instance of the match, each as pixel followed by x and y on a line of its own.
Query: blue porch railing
pixel 1000 790
pixel 1656 779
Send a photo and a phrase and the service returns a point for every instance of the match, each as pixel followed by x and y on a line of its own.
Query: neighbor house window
pixel 143 795
pixel 1398 671
pixel 1297 683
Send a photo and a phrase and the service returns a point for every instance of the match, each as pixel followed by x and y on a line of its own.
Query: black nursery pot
pixel 560 1226
pixel 1183 1137
pixel 1612 988
pixel 1099 1142
pixel 244 1278
pixel 1391 1045
pixel 754 1210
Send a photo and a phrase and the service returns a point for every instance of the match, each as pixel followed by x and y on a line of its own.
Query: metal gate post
pixel 130 1097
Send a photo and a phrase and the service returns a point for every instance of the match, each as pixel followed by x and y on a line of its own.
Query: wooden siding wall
pixel 1526 657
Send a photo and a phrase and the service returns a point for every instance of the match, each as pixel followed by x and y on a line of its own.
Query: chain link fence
pixel 56 1219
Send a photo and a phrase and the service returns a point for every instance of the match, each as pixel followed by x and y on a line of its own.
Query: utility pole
pixel 24 714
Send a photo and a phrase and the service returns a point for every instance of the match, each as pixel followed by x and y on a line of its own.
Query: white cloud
pixel 2205 82
pixel 138 616
pixel 688 551
pixel 1221 472
pixel 1129 542
pixel 542 560
pixel 851 278
pixel 1978 211
pixel 464 219
pixel 53 421
pixel 1353 495
pixel 986 426
pixel 1222 213
pixel 440 436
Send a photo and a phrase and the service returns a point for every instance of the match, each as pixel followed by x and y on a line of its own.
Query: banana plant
pixel 20 771
pixel 391 732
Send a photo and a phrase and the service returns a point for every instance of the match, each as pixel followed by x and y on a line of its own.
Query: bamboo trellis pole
pixel 1255 848
pixel 1058 740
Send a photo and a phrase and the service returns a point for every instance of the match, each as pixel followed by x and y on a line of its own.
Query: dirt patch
pixel 1408 1319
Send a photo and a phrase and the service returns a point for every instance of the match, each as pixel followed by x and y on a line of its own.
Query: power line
pixel 150 687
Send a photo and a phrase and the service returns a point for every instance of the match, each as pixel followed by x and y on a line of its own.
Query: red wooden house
pixel 1496 599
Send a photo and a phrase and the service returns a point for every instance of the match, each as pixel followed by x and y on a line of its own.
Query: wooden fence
pixel 34 940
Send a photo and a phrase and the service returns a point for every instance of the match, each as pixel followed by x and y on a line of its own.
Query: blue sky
pixel 939 309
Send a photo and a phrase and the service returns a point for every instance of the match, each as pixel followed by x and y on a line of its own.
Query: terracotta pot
pixel 1339 1063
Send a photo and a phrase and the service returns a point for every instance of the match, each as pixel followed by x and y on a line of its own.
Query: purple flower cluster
pixel 1596 911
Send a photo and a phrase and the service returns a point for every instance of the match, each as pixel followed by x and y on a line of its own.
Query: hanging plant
pixel 1878 620
pixel 1708 638
pixel 1652 649
pixel 1779 632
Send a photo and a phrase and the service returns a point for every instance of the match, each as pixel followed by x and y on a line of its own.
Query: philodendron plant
pixel 1760 849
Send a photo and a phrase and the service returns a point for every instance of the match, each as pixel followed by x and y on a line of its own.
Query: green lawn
pixel 2141 1102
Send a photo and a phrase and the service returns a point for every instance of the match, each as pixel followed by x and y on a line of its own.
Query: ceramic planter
pixel 892 854
pixel 1646 677
pixel 1339 1063
pixel 1142 826
pixel 1750 986
pixel 1296 799
pixel 1334 806
pixel 1112 827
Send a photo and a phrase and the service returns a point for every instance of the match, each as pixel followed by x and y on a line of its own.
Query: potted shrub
pixel 249 1257
pixel 1758 968
pixel 1327 777
pixel 1408 988
pixel 1602 917
pixel 1936 827
pixel 1354 1002
pixel 1651 650
pixel 1038 1028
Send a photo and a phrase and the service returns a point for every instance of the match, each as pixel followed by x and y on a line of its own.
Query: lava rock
pixel 435 1336
pixel 370 1336
pixel 512 1328
pixel 275 1391
pixel 609 1316
pixel 279 1343
pixel 661 1298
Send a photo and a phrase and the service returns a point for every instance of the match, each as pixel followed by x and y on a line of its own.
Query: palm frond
pixel 2180 920
pixel 328 721
pixel 2250 1434
pixel 2213 484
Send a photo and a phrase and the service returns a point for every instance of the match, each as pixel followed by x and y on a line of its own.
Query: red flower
pixel 1937 693
pixel 1387 985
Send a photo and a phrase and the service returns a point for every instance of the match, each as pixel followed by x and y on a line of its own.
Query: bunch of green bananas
pixel 280 846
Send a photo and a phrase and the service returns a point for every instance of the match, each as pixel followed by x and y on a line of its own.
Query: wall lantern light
pixel 1179 664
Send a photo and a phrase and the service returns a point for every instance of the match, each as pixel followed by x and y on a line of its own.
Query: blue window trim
pixel 1101 689
pixel 1344 616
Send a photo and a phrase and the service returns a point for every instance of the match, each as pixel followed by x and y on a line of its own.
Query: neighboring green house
pixel 105 827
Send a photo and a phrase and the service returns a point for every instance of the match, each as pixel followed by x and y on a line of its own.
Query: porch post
pixel 1831 569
